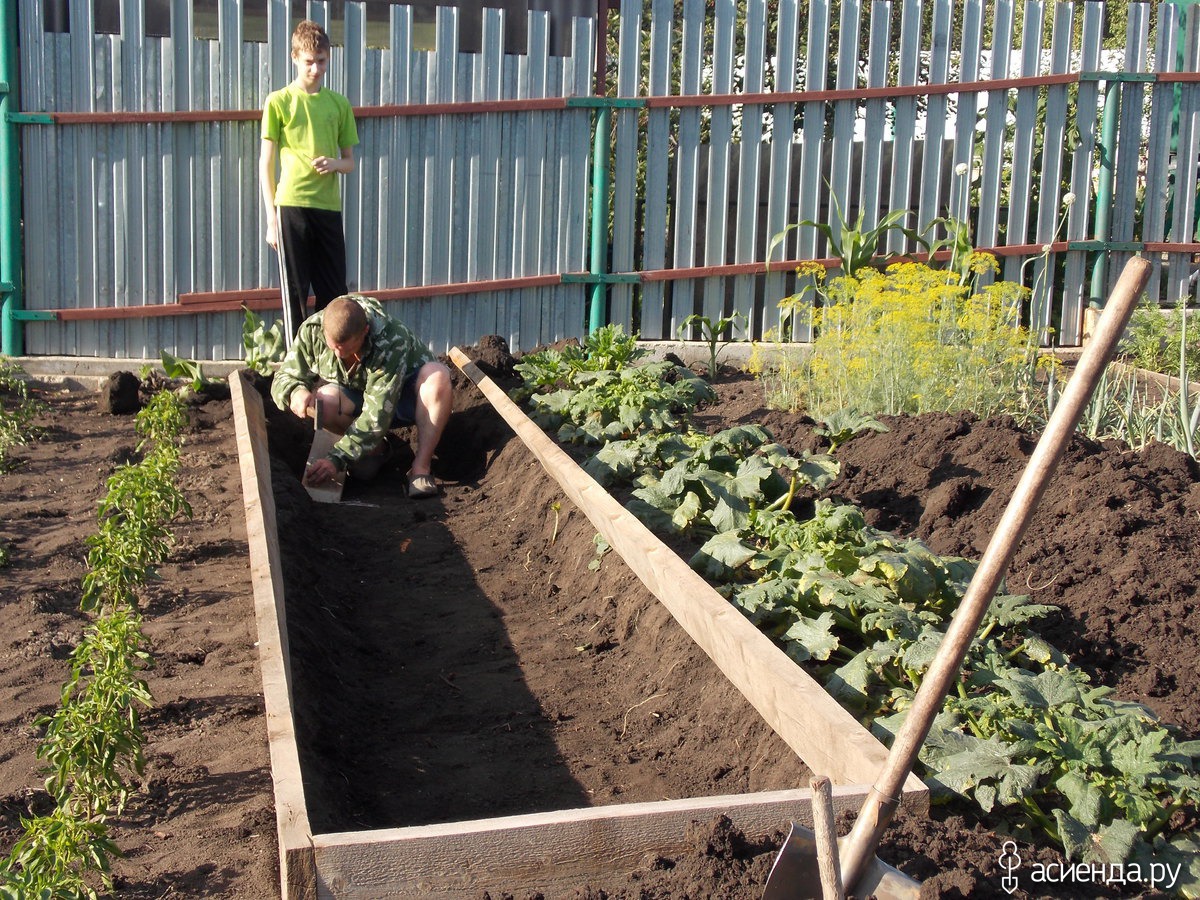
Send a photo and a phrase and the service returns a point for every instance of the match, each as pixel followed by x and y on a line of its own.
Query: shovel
pixel 323 441
pixel 796 872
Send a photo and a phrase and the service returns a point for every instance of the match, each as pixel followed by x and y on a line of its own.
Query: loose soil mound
pixel 470 630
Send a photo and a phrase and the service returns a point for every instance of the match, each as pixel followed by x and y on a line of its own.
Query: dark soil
pixel 457 657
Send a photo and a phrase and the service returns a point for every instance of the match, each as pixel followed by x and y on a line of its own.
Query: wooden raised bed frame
pixel 550 852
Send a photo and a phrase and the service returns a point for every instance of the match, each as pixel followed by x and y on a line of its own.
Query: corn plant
pixel 264 347
pixel 710 333
pixel 190 370
pixel 856 247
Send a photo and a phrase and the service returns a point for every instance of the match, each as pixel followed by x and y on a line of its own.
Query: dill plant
pixel 913 339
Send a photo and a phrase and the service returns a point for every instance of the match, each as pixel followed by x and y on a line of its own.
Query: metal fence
pixel 483 204
pixel 140 174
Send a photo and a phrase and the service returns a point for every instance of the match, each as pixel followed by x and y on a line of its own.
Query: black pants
pixel 312 254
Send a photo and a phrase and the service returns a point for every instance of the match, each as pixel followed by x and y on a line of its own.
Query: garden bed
pixel 422 685
pixel 1113 545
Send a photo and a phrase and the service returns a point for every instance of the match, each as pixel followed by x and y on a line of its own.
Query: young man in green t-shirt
pixel 310 130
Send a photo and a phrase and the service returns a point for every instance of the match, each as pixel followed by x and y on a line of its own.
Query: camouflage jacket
pixel 391 351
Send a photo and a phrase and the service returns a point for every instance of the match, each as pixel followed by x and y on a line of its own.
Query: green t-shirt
pixel 304 126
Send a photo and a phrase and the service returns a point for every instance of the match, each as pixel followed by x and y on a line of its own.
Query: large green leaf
pixel 810 638
pixel 720 555
pixel 686 512
pixel 848 684
pixel 1085 799
pixel 1045 690
pixel 992 762
pixel 1015 609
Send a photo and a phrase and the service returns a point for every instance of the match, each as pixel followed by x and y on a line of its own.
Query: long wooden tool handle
pixel 825 832
pixel 882 800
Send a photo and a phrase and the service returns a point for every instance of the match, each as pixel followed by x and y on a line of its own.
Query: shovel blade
pixel 796 874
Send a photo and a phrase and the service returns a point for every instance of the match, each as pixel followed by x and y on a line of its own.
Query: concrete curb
pixel 88 373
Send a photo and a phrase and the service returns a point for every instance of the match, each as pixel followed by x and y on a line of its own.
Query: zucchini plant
pixel 1025 736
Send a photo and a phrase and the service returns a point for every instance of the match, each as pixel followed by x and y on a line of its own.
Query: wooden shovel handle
pixel 883 798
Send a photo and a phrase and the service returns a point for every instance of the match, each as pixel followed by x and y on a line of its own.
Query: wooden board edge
pixel 817 728
pixel 551 852
pixel 297 864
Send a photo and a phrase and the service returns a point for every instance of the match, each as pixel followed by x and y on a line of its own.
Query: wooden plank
pixel 720 152
pixel 821 732
pixel 842 148
pixel 687 161
pixel 554 852
pixel 905 117
pixel 930 203
pixel 658 164
pixel 1021 167
pixel 750 155
pixel 297 864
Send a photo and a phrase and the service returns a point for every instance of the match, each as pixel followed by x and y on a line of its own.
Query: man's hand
pixel 301 401
pixel 272 233
pixel 320 471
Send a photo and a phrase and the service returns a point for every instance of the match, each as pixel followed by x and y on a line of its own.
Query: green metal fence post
pixel 597 312
pixel 11 337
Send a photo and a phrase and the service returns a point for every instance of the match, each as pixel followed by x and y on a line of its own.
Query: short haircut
pixel 309 37
pixel 344 319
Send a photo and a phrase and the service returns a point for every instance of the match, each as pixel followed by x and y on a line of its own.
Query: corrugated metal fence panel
pixel 1050 208
pixel 626 188
pixel 175 208
pixel 903 142
pixel 1082 159
pixel 776 284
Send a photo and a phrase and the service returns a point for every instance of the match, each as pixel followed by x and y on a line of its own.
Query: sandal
pixel 422 486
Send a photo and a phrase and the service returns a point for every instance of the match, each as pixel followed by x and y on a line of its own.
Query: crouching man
pixel 369 373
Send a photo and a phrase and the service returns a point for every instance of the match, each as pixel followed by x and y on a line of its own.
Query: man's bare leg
pixel 434 402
